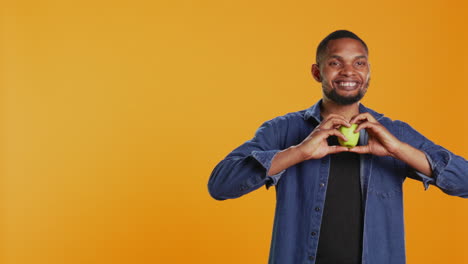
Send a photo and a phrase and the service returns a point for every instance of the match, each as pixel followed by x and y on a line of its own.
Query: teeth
pixel 347 83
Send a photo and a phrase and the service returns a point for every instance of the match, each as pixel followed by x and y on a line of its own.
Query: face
pixel 344 71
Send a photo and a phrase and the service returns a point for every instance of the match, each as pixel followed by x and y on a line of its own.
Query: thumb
pixel 337 149
pixel 360 149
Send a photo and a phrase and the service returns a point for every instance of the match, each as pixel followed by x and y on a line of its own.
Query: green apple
pixel 352 137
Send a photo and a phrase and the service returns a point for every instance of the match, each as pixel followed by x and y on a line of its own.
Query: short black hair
pixel 322 47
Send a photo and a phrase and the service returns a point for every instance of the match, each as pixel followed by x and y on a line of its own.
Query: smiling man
pixel 336 204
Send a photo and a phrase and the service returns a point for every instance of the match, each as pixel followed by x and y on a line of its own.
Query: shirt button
pixel 313 233
pixel 317 209
pixel 322 184
pixel 324 161
pixel 311 257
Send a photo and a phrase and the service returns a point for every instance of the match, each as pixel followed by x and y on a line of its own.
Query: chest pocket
pixel 387 178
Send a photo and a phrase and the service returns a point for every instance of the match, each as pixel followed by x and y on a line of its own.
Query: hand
pixel 381 142
pixel 315 146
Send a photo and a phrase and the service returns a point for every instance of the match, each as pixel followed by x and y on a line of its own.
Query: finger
pixel 359 119
pixel 337 149
pixel 360 149
pixel 335 122
pixel 335 115
pixel 335 132
pixel 370 126
pixel 362 126
pixel 363 116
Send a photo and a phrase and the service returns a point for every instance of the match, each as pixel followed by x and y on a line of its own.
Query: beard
pixel 345 100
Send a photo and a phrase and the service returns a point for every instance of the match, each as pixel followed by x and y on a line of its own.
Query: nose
pixel 347 70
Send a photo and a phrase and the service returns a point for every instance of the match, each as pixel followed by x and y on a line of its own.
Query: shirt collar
pixel 314 112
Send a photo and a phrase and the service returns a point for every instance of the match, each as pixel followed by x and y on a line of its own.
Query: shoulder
pixel 290 117
pixel 393 125
pixel 398 128
pixel 291 124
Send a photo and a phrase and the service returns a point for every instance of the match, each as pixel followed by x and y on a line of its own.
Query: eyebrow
pixel 357 57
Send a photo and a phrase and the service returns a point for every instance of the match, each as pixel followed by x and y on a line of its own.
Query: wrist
pixel 298 152
pixel 285 159
pixel 399 150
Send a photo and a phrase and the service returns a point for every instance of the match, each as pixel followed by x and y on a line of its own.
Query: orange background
pixel 114 114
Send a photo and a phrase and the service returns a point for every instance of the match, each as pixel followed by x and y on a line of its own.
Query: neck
pixel 347 111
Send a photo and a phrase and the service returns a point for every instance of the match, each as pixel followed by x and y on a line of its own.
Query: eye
pixel 361 63
pixel 333 63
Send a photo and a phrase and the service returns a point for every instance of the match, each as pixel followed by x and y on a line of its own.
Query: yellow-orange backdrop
pixel 114 114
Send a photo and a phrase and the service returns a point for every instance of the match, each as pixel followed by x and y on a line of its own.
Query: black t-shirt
pixel 340 240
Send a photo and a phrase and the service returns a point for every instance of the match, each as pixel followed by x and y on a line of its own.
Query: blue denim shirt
pixel 301 189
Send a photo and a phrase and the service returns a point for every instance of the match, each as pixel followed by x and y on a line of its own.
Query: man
pixel 336 204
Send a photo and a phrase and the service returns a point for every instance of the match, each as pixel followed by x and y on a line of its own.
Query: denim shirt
pixel 301 189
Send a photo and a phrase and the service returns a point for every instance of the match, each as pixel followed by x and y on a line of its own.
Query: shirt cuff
pixel 426 180
pixel 265 158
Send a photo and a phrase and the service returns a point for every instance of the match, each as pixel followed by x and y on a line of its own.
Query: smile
pixel 347 84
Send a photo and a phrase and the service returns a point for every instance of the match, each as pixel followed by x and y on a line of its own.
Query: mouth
pixel 347 85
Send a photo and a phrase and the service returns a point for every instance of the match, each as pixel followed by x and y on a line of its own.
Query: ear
pixel 316 72
pixel 369 66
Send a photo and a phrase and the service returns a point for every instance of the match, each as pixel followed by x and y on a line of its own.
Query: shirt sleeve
pixel 245 169
pixel 449 171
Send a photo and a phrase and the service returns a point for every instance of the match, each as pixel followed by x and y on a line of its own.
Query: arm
pixel 244 169
pixel 314 146
pixel 449 171
pixel 260 161
pixel 285 159
pixel 414 157
pixel 425 161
